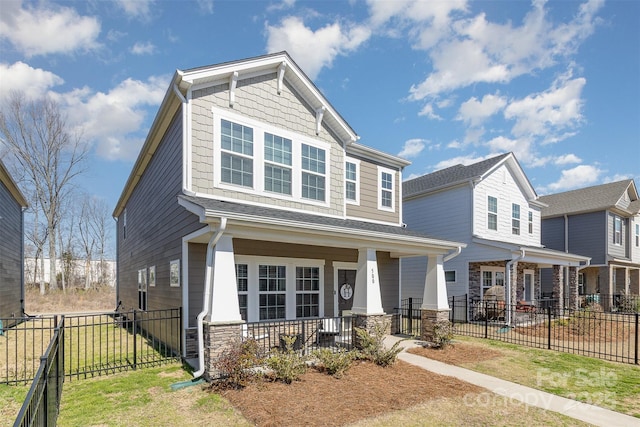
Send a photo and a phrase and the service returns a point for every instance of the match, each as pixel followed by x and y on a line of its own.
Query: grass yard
pixel 614 386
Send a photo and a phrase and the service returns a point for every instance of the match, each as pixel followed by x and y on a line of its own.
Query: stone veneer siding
pixel 217 338
pixel 429 320
pixel 573 288
pixel 370 323
pixel 475 277
pixel 558 287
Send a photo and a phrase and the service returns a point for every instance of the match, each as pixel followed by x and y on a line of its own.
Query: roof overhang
pixel 287 230
pixel 538 255
pixel 8 182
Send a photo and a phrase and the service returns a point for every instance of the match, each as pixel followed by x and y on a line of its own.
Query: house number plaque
pixel 346 291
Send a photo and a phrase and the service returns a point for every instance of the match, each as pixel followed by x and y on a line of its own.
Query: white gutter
pixel 507 281
pixel 186 161
pixel 452 255
pixel 207 294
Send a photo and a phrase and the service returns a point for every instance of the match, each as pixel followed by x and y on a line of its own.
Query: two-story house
pixel 252 200
pixel 491 207
pixel 602 222
pixel 12 206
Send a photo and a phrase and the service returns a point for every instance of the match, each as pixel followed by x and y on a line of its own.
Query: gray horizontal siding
pixel 10 255
pixel 553 233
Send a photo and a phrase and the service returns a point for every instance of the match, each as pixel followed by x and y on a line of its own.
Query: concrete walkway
pixel 581 411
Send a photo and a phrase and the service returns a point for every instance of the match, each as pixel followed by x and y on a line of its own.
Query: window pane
pixel 237 170
pixel 350 190
pixel 312 186
pixel 242 277
pixel 313 159
pixel 493 204
pixel 387 199
pixel 277 149
pixel 277 179
pixel 236 138
pixel 350 171
pixel 387 181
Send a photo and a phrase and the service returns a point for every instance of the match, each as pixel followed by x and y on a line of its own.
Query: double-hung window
pixel 307 292
pixel 277 164
pixel 351 181
pixel 515 219
pixel 530 222
pixel 242 281
pixel 386 189
pixel 617 230
pixel 142 289
pixel 492 213
pixel 236 143
pixel 313 172
pixel 272 291
pixel 637 235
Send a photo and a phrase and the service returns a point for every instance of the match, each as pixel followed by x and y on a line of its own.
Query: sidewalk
pixel 581 411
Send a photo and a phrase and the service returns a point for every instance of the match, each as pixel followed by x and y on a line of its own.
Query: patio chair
pixel 328 330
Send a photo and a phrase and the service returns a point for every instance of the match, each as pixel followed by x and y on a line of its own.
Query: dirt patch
pixel 365 391
pixel 458 353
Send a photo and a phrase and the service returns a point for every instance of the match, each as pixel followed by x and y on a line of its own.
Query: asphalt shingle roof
pixel 595 198
pixel 449 176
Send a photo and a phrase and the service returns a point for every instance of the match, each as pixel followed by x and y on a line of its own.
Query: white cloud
pixel 580 176
pixel 140 9
pixel 429 112
pixel 474 112
pixel 461 160
pixel 314 50
pixel 567 159
pixel 47 29
pixel 141 48
pixel 412 147
pixel 205 6
pixel 21 77
pixel 547 112
pixel 113 121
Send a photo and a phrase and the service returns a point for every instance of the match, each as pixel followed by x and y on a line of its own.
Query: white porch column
pixel 366 296
pixel 435 286
pixel 224 292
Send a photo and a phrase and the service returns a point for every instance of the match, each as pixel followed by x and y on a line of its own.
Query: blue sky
pixel 437 82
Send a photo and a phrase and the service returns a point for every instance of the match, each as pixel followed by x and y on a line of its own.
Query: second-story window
pixel 237 154
pixel 492 213
pixel 277 164
pixel 637 235
pixel 313 172
pixel 515 219
pixel 386 189
pixel 351 181
pixel 530 222
pixel 617 230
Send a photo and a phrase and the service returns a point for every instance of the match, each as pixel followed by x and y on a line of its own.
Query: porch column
pixel 224 292
pixel 435 306
pixel 367 299
pixel 558 288
pixel 573 288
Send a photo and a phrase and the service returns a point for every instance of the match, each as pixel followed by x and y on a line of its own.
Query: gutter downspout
pixel 452 255
pixel 207 294
pixel 186 161
pixel 507 281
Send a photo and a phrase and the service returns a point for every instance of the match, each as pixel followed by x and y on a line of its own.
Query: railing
pixel 410 317
pixel 586 331
pixel 22 342
pixel 306 334
pixel 42 404
pixel 99 344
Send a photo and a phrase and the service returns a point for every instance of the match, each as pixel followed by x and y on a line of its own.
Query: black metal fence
pixel 587 331
pixel 304 335
pixel 410 317
pixel 42 404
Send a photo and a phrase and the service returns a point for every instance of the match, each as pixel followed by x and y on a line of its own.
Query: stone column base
pixel 218 337
pixel 429 319
pixel 370 323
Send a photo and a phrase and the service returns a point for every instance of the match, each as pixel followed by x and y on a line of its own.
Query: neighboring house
pixel 251 200
pixel 12 206
pixel 100 272
pixel 601 222
pixel 492 207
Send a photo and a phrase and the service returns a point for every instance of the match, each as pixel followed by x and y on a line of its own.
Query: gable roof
pixel 460 174
pixel 185 80
pixel 592 199
pixel 8 182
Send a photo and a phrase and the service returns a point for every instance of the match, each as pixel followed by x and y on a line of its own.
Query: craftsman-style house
pixel 12 206
pixel 252 200
pixel 602 222
pixel 491 207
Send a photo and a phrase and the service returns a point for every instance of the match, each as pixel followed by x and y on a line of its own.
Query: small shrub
pixel 629 303
pixel 335 364
pixel 235 365
pixel 586 320
pixel 287 365
pixel 443 331
pixel 373 347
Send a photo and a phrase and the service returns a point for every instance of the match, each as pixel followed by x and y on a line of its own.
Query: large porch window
pixel 491 276
pixel 273 288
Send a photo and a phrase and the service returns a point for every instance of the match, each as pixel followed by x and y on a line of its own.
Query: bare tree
pixel 99 221
pixel 37 135
pixel 87 239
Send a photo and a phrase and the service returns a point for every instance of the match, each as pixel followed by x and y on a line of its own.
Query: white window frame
pixel 174 273
pixel 355 162
pixel 532 290
pixel 391 172
pixel 243 292
pixel 152 276
pixel 637 235
pixel 491 213
pixel 253 292
pixel 515 219
pixel 454 276
pixel 494 280
pixel 307 291
pixel 617 230
pixel 143 290
pixel 530 222
pixel 259 130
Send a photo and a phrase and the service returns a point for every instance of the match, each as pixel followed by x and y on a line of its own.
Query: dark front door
pixel 346 286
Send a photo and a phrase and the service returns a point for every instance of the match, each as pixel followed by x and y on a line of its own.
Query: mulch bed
pixel 458 353
pixel 366 390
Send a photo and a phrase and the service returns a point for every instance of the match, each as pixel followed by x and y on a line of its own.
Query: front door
pixel 346 286
pixel 528 285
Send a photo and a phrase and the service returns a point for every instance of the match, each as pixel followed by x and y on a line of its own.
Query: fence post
pixel 635 359
pixel 410 317
pixel 452 312
pixel 548 328
pixel 135 341
pixel 486 319
pixel 466 308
